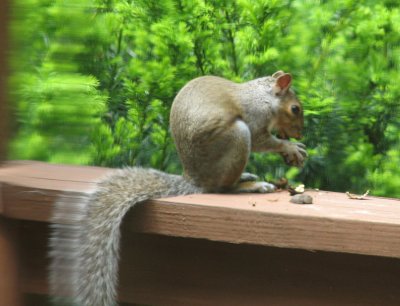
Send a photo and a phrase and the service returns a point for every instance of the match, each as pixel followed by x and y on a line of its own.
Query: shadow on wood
pixel 159 270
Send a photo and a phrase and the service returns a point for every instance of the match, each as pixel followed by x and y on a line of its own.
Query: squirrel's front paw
pixel 294 153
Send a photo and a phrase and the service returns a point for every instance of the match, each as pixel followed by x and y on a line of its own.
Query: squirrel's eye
pixel 295 109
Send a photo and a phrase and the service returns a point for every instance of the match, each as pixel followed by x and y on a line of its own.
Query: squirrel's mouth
pixel 283 134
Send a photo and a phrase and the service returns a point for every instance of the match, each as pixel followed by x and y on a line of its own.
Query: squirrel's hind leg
pixel 217 166
pixel 225 159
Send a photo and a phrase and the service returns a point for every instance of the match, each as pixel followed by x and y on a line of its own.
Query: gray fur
pixel 86 233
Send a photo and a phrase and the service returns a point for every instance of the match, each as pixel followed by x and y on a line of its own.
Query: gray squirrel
pixel 215 124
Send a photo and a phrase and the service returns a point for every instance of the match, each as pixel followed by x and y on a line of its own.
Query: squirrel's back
pixel 203 107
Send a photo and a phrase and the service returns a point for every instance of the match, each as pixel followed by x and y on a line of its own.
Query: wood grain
pixel 333 223
pixel 171 271
pixel 270 228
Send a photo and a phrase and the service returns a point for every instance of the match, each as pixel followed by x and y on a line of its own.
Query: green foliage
pixel 58 108
pixel 385 178
pixel 94 80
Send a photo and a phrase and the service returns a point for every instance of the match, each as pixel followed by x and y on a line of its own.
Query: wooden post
pixel 3 77
pixel 9 280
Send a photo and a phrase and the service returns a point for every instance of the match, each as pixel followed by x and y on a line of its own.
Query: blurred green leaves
pixel 93 80
pixel 57 106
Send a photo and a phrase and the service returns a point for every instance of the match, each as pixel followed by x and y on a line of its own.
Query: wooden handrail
pixel 333 223
pixel 259 253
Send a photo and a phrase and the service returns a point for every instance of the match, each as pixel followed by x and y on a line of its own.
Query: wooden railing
pixel 215 249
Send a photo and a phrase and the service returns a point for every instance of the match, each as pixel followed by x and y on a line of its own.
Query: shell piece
pixel 301 199
pixel 357 197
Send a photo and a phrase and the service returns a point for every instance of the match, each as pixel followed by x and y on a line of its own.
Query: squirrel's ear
pixel 282 84
pixel 278 74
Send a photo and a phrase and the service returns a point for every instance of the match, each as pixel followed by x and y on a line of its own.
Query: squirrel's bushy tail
pixel 84 244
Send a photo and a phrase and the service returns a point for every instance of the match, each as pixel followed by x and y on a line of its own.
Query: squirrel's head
pixel 290 118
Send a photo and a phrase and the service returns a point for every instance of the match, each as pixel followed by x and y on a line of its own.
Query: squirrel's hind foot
pixel 248 177
pixel 256 187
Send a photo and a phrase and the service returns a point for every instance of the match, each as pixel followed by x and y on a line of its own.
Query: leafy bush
pixel 94 81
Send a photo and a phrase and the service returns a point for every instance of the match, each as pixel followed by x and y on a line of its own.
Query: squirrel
pixel 215 124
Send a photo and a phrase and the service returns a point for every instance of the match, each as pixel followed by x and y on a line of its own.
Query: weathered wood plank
pixel 268 228
pixel 334 223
